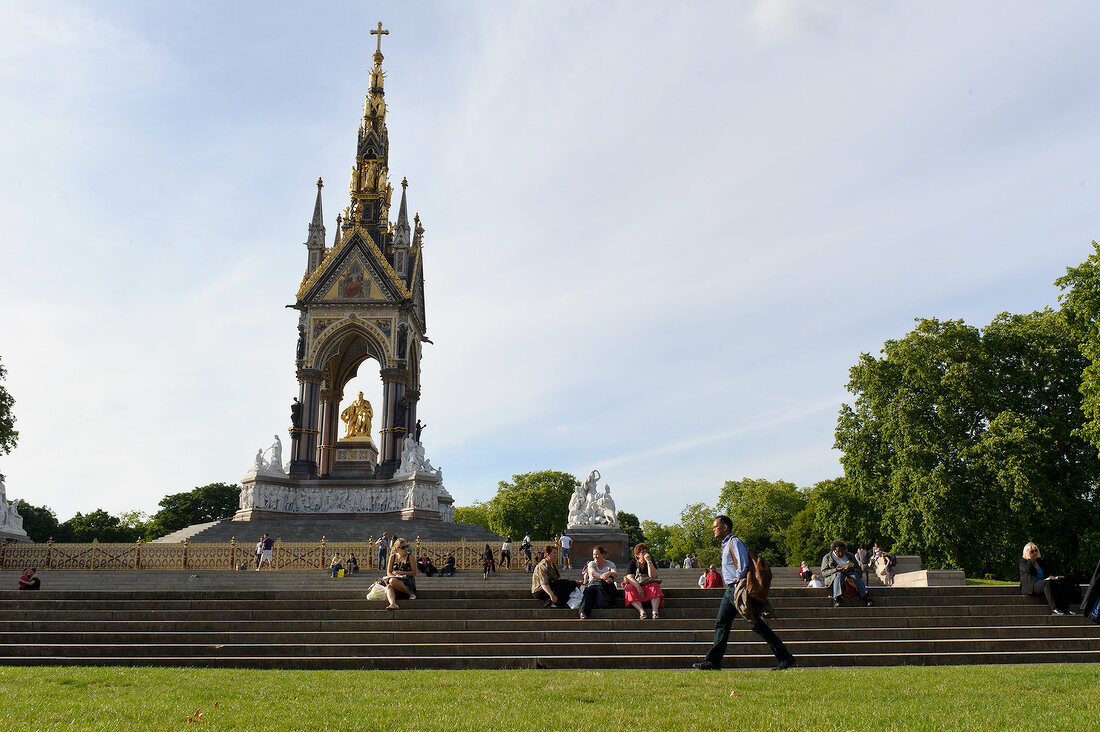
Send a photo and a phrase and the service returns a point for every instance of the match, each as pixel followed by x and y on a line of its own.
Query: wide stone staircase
pixel 308 620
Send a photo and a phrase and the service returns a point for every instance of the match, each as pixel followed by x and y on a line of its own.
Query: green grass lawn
pixel 976 581
pixel 904 698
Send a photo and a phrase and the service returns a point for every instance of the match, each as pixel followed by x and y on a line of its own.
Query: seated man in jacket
pixel 839 564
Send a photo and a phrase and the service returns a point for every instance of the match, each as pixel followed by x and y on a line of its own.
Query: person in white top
pixel 506 553
pixel 702 580
pixel 599 588
pixel 566 542
pixel 815 581
pixel 687 561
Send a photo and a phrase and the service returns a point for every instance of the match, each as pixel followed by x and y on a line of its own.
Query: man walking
pixel 566 542
pixel 735 565
pixel 267 545
pixel 383 545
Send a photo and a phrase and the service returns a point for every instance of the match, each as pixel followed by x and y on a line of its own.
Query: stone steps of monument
pixel 475 628
pixel 506 605
pixel 316 580
pixel 749 660
pixel 740 644
pixel 341 530
pixel 608 633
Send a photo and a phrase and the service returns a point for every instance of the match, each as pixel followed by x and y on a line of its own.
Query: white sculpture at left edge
pixel 11 523
pixel 263 465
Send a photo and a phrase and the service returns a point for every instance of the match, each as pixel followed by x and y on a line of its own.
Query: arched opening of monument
pixel 356 417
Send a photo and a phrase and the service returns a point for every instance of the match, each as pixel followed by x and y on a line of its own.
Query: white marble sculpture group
pixel 589 507
pixel 11 523
pixel 414 461
pixel 263 465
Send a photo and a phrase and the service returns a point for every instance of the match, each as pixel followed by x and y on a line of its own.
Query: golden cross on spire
pixel 379 33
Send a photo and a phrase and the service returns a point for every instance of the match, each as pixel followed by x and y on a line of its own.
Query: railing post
pixel 275 554
pixel 137 554
pixel 372 556
pixel 233 552
pixel 324 551
pixel 95 543
pixel 418 547
pixel 186 546
pixel 463 554
pixel 49 553
pixel 3 553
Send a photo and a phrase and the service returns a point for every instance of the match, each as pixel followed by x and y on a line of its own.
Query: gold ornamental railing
pixel 236 555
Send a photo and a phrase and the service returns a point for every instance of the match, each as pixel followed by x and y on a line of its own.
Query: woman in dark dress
pixel 490 563
pixel 400 574
pixel 1036 579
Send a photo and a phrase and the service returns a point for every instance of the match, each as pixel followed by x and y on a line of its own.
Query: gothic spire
pixel 315 242
pixel 369 187
pixel 402 231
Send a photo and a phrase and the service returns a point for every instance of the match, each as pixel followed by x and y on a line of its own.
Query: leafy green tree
pixel 1080 300
pixel 101 526
pixel 833 511
pixel 761 512
pixel 534 502
pixel 694 534
pixel 657 536
pixel 8 434
pixel 629 523
pixel 213 502
pixel 964 441
pixel 40 522
pixel 477 514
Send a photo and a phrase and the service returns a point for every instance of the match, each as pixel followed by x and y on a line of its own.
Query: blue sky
pixel 658 234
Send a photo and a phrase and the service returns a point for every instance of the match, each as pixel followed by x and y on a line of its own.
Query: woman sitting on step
pixel 336 565
pixel 1037 578
pixel 642 584
pixel 599 583
pixel 400 574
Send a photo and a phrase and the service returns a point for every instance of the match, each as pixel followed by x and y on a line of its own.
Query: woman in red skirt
pixel 642 584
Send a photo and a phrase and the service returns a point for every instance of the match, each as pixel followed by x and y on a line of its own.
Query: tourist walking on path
pixel 525 545
pixel 546 582
pixel 506 553
pixel 642 583
pixel 487 561
pixel 267 547
pixel 383 545
pixel 838 566
pixel 864 561
pixel 566 543
pixel 735 565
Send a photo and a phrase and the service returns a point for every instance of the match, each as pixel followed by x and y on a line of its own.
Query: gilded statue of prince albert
pixel 357 418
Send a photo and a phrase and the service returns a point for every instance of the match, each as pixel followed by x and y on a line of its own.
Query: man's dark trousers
pixel 727 611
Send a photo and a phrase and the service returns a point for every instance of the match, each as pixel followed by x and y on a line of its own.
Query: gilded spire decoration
pixel 369 185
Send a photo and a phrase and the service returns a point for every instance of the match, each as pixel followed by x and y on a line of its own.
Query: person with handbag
pixel 642 583
pixel 735 568
pixel 400 573
pixel 839 566
pixel 599 583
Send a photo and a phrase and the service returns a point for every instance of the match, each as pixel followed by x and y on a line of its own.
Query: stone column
pixel 330 429
pixel 394 382
pixel 412 396
pixel 303 440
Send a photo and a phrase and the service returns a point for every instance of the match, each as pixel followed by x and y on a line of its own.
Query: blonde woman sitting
pixel 400 574
pixel 642 584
